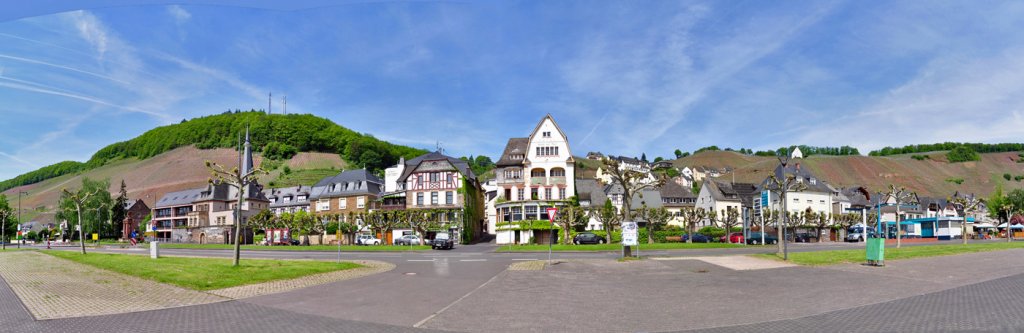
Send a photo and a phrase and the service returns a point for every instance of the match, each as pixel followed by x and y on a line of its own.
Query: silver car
pixel 408 240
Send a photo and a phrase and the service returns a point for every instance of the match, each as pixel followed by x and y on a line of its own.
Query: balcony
pixel 508 181
pixel 538 180
pixel 557 181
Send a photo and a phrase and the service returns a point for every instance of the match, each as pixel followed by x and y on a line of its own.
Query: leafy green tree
pixel 690 217
pixel 678 153
pixel 119 211
pixel 656 218
pixel 962 154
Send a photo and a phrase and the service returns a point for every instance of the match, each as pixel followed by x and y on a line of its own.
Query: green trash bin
pixel 876 251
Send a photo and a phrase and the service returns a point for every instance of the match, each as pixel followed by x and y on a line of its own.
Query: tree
pixel 679 154
pixel 729 218
pixel 240 180
pixel 782 187
pixel 643 157
pixel 822 221
pixel 606 215
pixel 120 210
pixel 632 182
pixel 691 217
pixel 422 220
pixel 79 198
pixel 656 219
pixel 967 205
pixel 263 220
pixel 901 195
pixel 380 222
pixel 962 153
pixel 568 217
pixel 6 213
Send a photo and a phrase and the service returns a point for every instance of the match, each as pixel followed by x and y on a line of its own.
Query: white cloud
pixel 91 29
pixel 953 98
pixel 179 14
pixel 648 83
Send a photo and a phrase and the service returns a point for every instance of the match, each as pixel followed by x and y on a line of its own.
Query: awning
pixel 984 225
pixel 1015 226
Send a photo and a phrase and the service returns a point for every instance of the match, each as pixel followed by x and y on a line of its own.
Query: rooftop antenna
pixel 440 148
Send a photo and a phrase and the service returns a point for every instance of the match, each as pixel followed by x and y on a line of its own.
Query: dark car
pixel 442 241
pixel 804 237
pixel 755 238
pixel 588 238
pixel 293 241
pixel 697 238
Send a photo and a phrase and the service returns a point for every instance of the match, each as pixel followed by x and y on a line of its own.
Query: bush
pixel 920 157
pixel 287 170
pixel 1018 178
pixel 659 236
pixel 962 154
pixel 712 232
pixel 1006 176
pixel 957 181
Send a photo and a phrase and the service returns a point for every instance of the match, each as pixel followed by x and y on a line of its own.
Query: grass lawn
pixel 203 273
pixel 615 247
pixel 859 256
pixel 344 248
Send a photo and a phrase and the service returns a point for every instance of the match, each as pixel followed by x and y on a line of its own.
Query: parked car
pixel 804 237
pixel 856 234
pixel 442 241
pixel 736 237
pixel 697 238
pixel 367 240
pixel 408 240
pixel 755 239
pixel 588 238
pixel 294 241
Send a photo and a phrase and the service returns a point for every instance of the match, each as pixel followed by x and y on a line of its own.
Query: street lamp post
pixel 20 193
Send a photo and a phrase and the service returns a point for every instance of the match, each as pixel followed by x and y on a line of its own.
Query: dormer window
pixel 814 181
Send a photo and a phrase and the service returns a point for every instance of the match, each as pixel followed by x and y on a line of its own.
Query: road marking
pixel 473 260
pixel 425 320
pixel 524 259
pixel 420 260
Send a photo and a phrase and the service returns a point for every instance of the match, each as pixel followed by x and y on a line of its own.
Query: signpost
pixel 629 236
pixel 551 231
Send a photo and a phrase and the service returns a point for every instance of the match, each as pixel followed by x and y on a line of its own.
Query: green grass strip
pixel 615 247
pixel 203 273
pixel 328 248
pixel 821 258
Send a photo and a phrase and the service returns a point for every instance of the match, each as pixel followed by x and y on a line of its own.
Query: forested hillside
pixel 279 136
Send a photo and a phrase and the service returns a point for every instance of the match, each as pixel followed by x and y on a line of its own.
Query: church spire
pixel 247 164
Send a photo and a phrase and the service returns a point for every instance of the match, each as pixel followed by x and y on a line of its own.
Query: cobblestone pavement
pixel 51 288
pixel 370 267
pixel 991 306
pixel 739 263
pixel 533 265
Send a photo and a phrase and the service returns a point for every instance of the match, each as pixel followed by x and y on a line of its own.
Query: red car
pixel 736 237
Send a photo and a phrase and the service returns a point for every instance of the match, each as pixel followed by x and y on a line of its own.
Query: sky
pixel 620 77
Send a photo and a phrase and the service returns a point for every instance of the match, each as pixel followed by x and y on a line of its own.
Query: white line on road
pixel 425 320
pixel 473 260
pixel 420 260
pixel 524 259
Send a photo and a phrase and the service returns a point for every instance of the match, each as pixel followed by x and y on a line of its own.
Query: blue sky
pixel 622 77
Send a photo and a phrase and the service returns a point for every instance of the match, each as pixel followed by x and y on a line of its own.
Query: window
pixel 797 200
pixel 434 176
pixel 433 198
pixel 531 212
pixel 546 134
pixel 533 193
pixel 323 205
pixel 449 197
pixel 822 201
pixel 547 193
pixel 517 214
pixel 302 198
pixel 450 179
pixel 419 199
pixel 558 172
pixel 361 202
pixel 520 194
pixel 809 201
pixel 419 179
pixel 342 203
pixel 561 193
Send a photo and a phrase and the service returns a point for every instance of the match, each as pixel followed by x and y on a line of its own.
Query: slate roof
pixel 742 192
pixel 672 190
pixel 410 165
pixel 590 190
pixel 813 182
pixel 294 192
pixel 651 196
pixel 855 196
pixel 179 198
pixel 516 146
pixel 351 182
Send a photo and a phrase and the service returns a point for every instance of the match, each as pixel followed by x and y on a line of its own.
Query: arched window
pixel 557 172
pixel 537 173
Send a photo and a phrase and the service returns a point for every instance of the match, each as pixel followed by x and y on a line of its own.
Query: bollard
pixel 154 250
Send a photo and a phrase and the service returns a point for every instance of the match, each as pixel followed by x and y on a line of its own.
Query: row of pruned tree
pixel 381 222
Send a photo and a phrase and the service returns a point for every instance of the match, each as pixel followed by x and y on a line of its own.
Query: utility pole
pixel 20 193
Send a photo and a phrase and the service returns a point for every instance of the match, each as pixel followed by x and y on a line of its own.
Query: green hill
pixel 276 136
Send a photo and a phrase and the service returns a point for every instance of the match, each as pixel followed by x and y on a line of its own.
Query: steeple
pixel 247 164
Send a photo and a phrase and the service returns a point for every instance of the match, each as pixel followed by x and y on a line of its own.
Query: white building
pixel 722 196
pixel 532 174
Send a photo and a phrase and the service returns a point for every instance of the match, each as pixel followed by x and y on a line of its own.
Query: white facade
pixel 391 176
pixel 548 161
pixel 708 202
